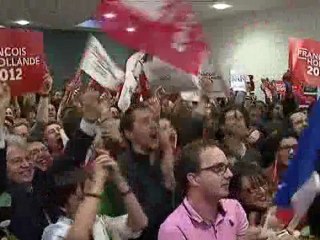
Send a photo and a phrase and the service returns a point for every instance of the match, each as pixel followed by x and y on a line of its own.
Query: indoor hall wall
pixel 258 42
pixel 64 50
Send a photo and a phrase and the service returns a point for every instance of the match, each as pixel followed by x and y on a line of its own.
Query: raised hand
pixel 168 135
pixel 255 233
pixel 46 85
pixel 154 106
pixel 106 167
pixel 5 95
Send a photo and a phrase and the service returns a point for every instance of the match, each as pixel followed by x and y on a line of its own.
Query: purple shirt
pixel 186 224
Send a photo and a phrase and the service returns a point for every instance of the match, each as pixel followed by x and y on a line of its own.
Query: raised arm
pixel 81 141
pixel 43 106
pixel 4 102
pixel 88 209
pixel 168 140
pixel 42 117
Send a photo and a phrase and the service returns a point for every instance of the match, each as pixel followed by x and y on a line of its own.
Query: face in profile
pixel 214 175
pixel 285 151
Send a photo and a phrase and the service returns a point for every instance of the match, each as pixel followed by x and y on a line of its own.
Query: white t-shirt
pixel 104 228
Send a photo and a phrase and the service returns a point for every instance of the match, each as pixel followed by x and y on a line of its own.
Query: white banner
pixel 192 96
pixel 212 84
pixel 173 80
pixel 133 70
pixel 99 66
pixel 238 81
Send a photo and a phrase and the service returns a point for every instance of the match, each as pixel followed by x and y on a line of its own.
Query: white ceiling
pixel 65 14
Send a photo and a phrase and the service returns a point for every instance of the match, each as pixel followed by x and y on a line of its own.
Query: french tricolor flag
pixel 301 182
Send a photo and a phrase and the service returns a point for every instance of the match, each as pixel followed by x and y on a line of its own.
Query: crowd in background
pixel 73 166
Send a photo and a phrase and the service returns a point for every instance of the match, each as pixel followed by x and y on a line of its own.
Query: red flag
pixel 304 61
pixel 76 81
pixel 165 28
pixel 74 84
pixel 144 85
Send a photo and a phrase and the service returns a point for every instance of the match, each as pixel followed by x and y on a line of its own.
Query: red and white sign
pixel 166 29
pixel 21 60
pixel 280 87
pixel 99 65
pixel 304 61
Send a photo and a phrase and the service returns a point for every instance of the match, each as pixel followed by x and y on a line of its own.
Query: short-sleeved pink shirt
pixel 186 224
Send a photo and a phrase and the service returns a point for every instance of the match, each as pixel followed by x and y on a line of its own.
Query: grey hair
pixel 16 141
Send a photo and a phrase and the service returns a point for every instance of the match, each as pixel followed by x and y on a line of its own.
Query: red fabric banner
pixel 21 60
pixel 304 61
pixel 163 28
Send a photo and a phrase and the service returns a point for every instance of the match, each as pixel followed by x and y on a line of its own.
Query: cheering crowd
pixel 73 166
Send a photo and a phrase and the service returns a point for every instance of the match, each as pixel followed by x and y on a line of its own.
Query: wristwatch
pixel 93 195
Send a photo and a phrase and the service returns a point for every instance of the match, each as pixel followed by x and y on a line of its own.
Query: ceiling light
pixel 109 15
pixel 131 29
pixel 221 6
pixel 22 22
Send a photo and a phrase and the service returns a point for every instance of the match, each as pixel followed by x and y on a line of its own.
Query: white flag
pixel 133 70
pixel 99 66
pixel 191 96
pixel 172 79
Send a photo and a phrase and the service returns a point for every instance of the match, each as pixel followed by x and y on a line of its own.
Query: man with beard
pixel 236 135
pixel 148 165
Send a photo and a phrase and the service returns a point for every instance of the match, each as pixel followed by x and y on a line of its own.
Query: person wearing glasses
pixel 204 175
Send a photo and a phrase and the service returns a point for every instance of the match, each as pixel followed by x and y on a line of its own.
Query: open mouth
pixel 225 185
pixel 154 136
pixel 42 161
pixel 26 173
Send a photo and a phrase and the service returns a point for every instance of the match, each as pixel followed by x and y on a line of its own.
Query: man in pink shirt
pixel 204 175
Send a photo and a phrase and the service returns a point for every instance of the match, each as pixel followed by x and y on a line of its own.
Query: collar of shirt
pixel 66 221
pixel 196 217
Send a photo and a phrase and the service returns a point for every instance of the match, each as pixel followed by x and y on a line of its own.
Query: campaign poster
pixel 21 60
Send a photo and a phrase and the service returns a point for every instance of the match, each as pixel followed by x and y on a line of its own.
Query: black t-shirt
pixel 146 182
